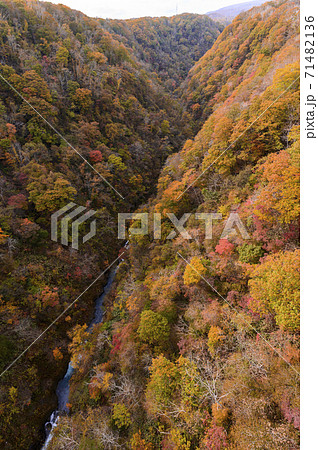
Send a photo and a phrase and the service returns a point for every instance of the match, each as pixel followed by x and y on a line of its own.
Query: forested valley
pixel 199 344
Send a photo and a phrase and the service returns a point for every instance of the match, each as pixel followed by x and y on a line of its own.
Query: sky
pixel 126 9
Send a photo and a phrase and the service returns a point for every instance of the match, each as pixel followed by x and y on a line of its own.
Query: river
pixel 63 387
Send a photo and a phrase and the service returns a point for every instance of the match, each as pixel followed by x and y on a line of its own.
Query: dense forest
pixel 168 45
pixel 199 345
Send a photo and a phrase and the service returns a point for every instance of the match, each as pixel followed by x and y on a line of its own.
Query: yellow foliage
pixel 77 349
pixel 194 271
pixel 280 175
pixel 106 381
pixel 180 441
pixel 274 287
pixel 214 337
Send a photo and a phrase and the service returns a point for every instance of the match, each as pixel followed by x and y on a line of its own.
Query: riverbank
pixel 63 387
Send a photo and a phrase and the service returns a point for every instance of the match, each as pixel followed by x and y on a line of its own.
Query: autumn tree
pixel 100 382
pixel 77 348
pixel 278 198
pixel 190 389
pixel 153 328
pixel 163 383
pixel 194 271
pixel 121 416
pixel 82 100
pixel 250 253
pixel 214 337
pixel 50 191
pixel 274 286
pixel 62 56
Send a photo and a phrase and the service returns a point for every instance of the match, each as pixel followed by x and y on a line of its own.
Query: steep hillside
pixel 249 49
pixel 201 346
pixel 169 45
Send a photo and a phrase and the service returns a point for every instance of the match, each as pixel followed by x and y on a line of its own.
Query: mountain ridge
pixel 227 13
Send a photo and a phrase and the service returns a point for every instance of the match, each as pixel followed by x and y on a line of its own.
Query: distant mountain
pixel 226 14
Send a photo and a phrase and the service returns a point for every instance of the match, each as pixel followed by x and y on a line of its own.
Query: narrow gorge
pixel 196 344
